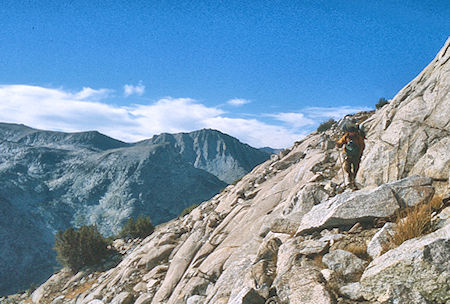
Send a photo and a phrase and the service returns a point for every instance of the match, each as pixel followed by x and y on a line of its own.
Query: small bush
pixel 139 228
pixel 381 103
pixel 188 210
pixel 78 248
pixel 326 125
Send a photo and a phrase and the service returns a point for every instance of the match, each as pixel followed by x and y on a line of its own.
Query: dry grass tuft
pixel 414 222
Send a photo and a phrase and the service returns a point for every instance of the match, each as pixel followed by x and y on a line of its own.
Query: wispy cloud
pixel 332 112
pixel 129 89
pixel 89 93
pixel 238 102
pixel 61 110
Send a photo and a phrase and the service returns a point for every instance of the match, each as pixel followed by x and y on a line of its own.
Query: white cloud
pixel 296 120
pixel 129 89
pixel 238 102
pixel 57 109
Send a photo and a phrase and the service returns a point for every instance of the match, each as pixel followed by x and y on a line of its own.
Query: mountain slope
pixel 53 180
pixel 288 232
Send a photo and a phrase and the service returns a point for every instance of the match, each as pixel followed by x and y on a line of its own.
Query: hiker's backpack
pixel 351 149
pixel 347 124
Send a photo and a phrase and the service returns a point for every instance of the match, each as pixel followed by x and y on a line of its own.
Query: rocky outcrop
pixel 365 205
pixel 289 232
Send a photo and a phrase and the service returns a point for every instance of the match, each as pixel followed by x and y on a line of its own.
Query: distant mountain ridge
pixel 92 140
pixel 213 151
pixel 51 180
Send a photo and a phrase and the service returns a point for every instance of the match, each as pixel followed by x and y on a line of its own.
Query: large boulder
pixel 420 265
pixel 345 263
pixel 351 207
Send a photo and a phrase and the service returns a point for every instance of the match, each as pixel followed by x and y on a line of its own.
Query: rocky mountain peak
pixel 215 152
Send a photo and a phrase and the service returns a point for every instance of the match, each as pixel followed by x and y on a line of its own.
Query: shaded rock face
pixel 52 180
pixel 255 241
pixel 409 135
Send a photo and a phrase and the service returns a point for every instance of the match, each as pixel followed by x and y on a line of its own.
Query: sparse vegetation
pixel 326 125
pixel 381 103
pixel 139 228
pixel 78 248
pixel 188 210
pixel 414 222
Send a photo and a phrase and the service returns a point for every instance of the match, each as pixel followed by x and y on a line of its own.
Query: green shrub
pixel 381 103
pixel 326 125
pixel 78 248
pixel 139 228
pixel 188 210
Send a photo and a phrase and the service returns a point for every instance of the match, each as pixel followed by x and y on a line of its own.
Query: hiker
pixel 353 142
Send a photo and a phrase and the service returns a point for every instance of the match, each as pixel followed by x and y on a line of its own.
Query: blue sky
pixel 266 72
